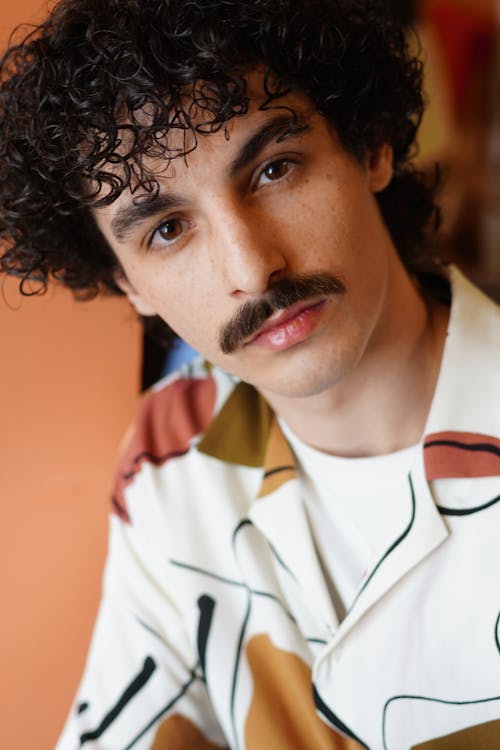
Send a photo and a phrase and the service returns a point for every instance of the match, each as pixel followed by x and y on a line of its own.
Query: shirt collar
pixel 463 426
pixel 246 432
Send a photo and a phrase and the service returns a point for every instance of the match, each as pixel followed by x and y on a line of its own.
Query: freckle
pixel 329 177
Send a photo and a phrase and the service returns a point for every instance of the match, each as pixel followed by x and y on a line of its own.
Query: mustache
pixel 285 292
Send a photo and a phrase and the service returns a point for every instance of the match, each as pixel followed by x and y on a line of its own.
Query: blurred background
pixel 69 379
pixel 71 374
pixel 461 129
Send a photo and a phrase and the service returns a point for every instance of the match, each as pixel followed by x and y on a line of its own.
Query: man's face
pixel 238 222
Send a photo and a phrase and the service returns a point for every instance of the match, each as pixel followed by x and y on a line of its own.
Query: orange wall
pixel 69 375
pixel 69 378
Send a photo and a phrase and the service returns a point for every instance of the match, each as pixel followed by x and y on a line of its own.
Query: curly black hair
pixel 76 88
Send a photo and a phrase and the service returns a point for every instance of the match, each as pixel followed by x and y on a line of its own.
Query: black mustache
pixel 285 292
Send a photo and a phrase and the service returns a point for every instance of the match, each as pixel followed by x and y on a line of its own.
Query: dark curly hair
pixel 76 88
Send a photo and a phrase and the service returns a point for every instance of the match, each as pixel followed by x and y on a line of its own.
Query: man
pixel 303 552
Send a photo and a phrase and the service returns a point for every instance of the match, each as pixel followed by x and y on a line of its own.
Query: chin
pixel 305 381
pixel 300 390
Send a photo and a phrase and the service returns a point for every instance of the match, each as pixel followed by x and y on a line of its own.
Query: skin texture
pixel 229 237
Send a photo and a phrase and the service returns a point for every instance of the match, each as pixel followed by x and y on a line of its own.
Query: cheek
pixel 184 293
pixel 192 312
pixel 329 221
pixel 323 238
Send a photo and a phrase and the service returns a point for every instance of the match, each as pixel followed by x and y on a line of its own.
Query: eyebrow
pixel 127 217
pixel 280 128
pixel 145 207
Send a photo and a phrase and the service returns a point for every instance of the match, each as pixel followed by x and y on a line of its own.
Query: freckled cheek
pixel 194 314
pixel 317 234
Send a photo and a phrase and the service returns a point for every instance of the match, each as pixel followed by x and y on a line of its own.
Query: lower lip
pixel 291 331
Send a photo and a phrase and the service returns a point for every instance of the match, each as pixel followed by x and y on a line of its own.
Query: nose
pixel 249 253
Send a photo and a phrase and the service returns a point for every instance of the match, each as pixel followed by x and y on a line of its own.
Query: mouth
pixel 289 326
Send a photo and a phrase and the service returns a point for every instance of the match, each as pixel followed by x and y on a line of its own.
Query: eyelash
pixel 274 162
pixel 282 160
pixel 173 219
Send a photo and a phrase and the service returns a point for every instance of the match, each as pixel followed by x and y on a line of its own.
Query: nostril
pixel 251 272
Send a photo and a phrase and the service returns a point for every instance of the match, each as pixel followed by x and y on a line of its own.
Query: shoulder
pixel 470 304
pixel 175 410
pixel 473 341
pixel 172 418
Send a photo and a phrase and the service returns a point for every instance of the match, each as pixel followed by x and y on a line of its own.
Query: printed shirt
pixel 216 628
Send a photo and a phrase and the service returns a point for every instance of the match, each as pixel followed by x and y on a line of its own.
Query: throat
pixel 381 408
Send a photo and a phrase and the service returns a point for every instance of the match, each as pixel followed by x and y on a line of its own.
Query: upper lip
pixel 281 317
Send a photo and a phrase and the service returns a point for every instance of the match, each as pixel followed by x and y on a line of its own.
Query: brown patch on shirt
pixel 480 737
pixel 179 733
pixel 282 714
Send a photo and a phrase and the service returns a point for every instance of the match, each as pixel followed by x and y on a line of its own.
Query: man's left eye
pixel 276 169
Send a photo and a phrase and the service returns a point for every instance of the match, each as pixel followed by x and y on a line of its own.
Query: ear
pixel 135 298
pixel 380 168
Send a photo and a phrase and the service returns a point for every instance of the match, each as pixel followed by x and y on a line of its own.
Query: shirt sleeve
pixel 143 687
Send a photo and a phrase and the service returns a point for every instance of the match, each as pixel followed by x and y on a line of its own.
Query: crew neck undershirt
pixel 356 508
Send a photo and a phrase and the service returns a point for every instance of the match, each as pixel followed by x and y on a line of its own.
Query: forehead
pixel 146 153
pixel 260 105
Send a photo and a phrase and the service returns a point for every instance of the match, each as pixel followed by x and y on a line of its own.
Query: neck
pixel 382 406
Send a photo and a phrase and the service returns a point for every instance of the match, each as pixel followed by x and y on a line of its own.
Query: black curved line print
pixel 280 560
pixel 497 634
pixel 236 668
pixel 241 584
pixel 193 677
pixel 130 691
pixel 467 511
pixel 206 605
pixel 232 582
pixel 333 718
pixel 278 470
pixel 239 647
pixel 392 547
pixel 429 700
pixel 276 600
pixel 208 573
pixel 244 522
pixel 474 447
pixel 320 641
pixel 81 707
pixel 149 628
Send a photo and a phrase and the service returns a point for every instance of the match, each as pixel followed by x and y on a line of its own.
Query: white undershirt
pixel 357 507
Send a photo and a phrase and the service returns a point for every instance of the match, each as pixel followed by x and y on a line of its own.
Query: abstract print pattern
pixel 216 629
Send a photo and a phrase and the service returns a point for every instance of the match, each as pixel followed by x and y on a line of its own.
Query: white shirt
pixel 216 627
pixel 355 507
